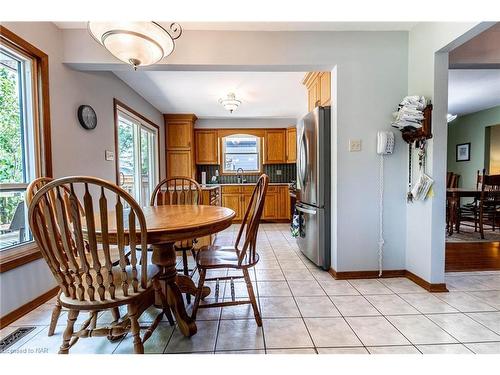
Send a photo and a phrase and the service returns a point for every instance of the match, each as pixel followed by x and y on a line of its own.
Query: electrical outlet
pixel 278 172
pixel 109 155
pixel 354 145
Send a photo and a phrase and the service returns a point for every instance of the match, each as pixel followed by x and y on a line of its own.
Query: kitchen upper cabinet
pixel 313 95
pixel 179 143
pixel 180 135
pixel 324 88
pixel 207 147
pixel 179 163
pixel 275 146
pixel 318 89
pixel 291 145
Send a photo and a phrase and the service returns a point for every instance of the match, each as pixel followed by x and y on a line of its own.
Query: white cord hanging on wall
pixel 385 146
pixel 381 241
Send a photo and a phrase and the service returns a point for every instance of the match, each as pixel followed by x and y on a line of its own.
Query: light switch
pixel 354 145
pixel 109 155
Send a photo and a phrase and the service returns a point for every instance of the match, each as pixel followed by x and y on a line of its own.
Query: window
pixel 24 119
pixel 137 154
pixel 241 151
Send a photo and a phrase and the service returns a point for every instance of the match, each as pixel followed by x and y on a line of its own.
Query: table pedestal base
pixel 164 256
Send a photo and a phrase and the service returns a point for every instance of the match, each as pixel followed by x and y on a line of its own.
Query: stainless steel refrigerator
pixel 313 183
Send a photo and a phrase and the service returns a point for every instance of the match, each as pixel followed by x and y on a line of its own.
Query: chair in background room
pixel 489 204
pixel 182 191
pixel 451 182
pixel 88 281
pixel 468 213
pixel 234 257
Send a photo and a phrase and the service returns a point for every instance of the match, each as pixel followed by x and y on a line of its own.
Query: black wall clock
pixel 87 117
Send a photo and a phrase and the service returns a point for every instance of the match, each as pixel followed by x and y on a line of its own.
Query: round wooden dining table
pixel 167 225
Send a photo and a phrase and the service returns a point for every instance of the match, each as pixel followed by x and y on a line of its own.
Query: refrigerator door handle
pixel 303 159
pixel 305 210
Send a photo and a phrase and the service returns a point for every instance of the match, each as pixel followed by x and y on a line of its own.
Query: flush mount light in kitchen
pixel 136 43
pixel 230 103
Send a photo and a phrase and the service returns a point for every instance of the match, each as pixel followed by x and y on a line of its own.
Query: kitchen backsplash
pixel 288 173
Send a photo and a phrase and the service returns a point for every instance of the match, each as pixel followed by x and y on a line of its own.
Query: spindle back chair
pixel 31 190
pixel 176 190
pixel 181 191
pixel 235 257
pixel 489 203
pixel 90 282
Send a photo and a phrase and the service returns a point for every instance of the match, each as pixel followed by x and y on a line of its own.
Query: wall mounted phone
pixel 385 146
pixel 385 142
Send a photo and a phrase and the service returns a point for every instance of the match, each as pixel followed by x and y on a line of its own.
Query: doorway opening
pixel 473 157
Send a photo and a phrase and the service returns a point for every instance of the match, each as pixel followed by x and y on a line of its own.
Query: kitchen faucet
pixel 240 175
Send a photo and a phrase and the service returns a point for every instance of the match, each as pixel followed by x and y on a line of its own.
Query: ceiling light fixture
pixel 450 117
pixel 136 43
pixel 230 103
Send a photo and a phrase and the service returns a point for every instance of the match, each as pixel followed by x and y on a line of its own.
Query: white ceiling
pixel 263 94
pixel 472 90
pixel 276 26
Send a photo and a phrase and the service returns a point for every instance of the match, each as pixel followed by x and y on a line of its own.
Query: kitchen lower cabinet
pixel 276 205
pixel 233 201
pixel 271 204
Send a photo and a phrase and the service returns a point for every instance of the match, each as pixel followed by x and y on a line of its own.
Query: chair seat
pixel 120 297
pixel 222 257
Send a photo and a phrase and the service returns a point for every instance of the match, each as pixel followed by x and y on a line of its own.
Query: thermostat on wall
pixel 109 155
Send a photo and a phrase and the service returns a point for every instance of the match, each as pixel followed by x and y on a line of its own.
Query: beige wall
pixel 75 151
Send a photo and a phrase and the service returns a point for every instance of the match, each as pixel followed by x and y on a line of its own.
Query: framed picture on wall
pixel 463 152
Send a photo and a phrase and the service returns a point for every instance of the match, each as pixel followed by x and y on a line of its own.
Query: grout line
pixel 277 234
pixel 297 305
pixel 477 321
pixel 388 321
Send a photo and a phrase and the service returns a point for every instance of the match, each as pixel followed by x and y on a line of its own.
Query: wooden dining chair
pixel 234 257
pixel 89 282
pixel 468 213
pixel 31 190
pixel 489 203
pixel 182 191
pixel 451 182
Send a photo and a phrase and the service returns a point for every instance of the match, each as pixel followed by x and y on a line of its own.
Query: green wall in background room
pixel 470 128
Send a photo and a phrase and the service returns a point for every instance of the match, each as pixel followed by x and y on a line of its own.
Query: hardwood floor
pixel 472 256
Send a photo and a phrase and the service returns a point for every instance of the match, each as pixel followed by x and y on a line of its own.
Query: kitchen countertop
pixel 213 186
pixel 209 187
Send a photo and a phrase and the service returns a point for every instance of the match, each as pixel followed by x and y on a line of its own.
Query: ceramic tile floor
pixel 306 311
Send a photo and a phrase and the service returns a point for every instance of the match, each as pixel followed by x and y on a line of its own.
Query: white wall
pixel 372 77
pixel 75 151
pixel 372 70
pixel 248 123
pixel 429 44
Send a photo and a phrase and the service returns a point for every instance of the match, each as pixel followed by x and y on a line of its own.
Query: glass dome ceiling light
pixel 136 43
pixel 230 103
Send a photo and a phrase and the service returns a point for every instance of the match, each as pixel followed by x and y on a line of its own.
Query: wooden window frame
pixel 28 252
pixel 259 133
pixel 117 104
